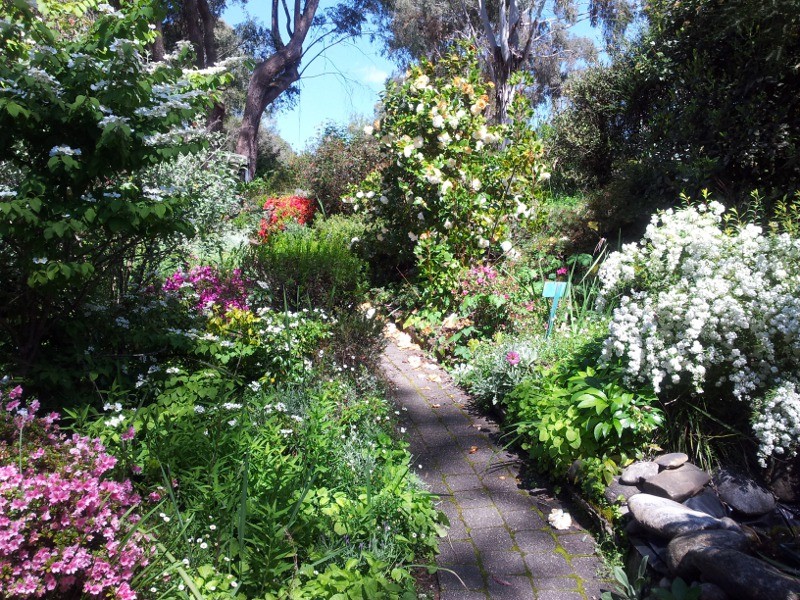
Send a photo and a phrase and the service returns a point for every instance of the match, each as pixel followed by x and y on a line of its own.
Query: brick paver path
pixel 500 543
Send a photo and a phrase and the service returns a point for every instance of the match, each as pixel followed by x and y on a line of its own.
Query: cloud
pixel 372 74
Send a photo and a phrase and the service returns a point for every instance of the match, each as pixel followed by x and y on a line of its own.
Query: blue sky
pixel 344 82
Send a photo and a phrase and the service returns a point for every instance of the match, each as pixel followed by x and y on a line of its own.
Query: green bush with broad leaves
pixel 454 186
pixel 83 114
pixel 566 413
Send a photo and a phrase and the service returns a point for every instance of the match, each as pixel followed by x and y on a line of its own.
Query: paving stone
pixel 480 495
pixel 535 541
pixel 491 539
pixel 500 563
pixel 462 594
pixel 577 543
pixel 588 568
pixel 561 595
pixel 511 501
pixel 475 499
pixel 521 520
pixel 459 576
pixel 554 583
pixel 463 482
pixel 477 518
pixel 452 552
pixel 512 587
pixel 547 565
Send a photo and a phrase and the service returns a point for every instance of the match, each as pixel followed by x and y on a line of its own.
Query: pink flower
pixel 128 435
pixel 513 358
pixel 561 271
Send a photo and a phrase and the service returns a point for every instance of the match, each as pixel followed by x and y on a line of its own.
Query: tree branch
pixel 275 28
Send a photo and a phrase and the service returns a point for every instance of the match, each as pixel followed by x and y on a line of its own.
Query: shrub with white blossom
pixel 453 185
pixel 706 308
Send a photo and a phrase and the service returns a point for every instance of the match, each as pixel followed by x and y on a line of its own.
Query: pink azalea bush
pixel 210 288
pixel 65 528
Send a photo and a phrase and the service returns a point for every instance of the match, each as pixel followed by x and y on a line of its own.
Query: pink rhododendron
pixel 210 288
pixel 61 522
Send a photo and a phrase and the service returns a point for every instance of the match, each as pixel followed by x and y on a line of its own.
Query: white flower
pixel 476 184
pixel 368 129
pixel 421 82
pixel 483 243
pixel 437 121
pixel 559 519
pixel 506 246
pixel 413 236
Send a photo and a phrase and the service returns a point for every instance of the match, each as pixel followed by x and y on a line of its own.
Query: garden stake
pixel 554 290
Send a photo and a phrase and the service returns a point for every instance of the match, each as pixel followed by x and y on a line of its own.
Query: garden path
pixel 500 543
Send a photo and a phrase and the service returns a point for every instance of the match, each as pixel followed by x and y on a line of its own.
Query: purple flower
pixel 513 358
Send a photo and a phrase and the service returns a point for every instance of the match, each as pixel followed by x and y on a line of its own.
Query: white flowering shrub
pixel 453 185
pixel 706 308
pixel 777 423
pixel 83 114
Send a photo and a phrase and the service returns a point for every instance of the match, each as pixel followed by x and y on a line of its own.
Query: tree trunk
pixel 273 76
pixel 269 80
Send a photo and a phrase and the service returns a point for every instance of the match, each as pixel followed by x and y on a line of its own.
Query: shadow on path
pixel 500 543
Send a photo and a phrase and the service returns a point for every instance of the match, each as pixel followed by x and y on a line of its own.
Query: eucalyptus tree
pixel 533 36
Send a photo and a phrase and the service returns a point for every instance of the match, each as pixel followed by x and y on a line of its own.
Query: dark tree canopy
pixel 707 97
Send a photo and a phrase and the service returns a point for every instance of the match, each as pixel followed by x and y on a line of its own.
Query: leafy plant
pixel 627 589
pixel 303 268
pixel 562 416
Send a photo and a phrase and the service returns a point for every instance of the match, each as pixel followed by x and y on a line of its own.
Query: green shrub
pixel 567 413
pixel 301 268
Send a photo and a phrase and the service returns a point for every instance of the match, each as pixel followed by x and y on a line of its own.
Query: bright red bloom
pixel 282 210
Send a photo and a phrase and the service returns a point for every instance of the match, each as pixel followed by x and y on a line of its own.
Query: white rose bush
pixel 713 310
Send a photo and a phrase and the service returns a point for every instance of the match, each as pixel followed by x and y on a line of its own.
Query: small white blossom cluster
pixel 777 423
pixel 708 308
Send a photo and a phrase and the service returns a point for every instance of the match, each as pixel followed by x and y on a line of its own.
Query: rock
pixel 654 549
pixel 671 461
pixel 574 471
pixel 785 481
pixel 677 484
pixel 743 494
pixel 709 591
pixel 707 502
pixel 666 518
pixel 616 489
pixel 683 544
pixel 638 472
pixel 743 577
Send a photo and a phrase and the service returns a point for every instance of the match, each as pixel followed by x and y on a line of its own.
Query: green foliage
pixel 338 159
pixel 453 188
pixel 81 116
pixel 302 267
pixel 566 414
pixel 707 97
pixel 628 590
